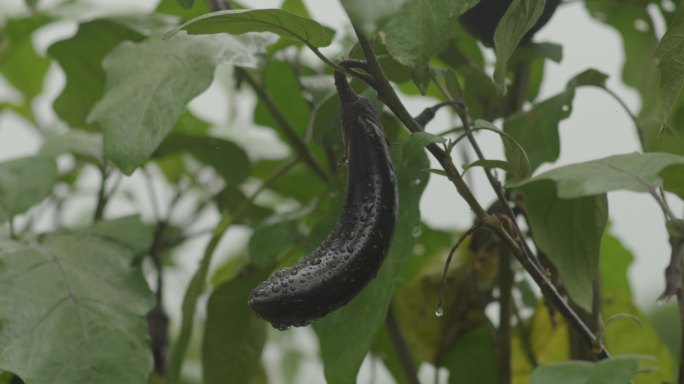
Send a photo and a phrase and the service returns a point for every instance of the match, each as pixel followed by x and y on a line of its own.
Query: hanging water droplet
pixel 439 312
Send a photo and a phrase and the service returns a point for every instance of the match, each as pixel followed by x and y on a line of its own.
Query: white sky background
pixel 598 127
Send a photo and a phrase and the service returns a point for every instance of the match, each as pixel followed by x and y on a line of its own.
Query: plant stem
pixel 196 286
pixel 297 143
pixel 402 349
pixel 101 195
pixel 157 320
pixel 505 282
pixel 387 94
pixel 524 336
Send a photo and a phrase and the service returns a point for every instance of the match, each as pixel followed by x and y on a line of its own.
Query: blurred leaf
pixel 590 77
pixel 430 246
pixel 327 130
pixel 519 18
pixel 547 339
pixel 229 269
pixel 368 15
pixel 675 227
pixel 20 65
pixel 231 198
pixel 272 239
pixel 76 302
pixel 537 129
pixel 384 349
pixel 633 22
pixel 665 320
pixel 81 144
pixel 185 3
pixel 345 335
pixel 551 51
pixel 285 91
pixel 295 6
pixel 233 336
pixel 171 7
pixel 225 157
pixel 468 360
pixel 637 172
pixel 128 231
pixel 673 179
pixel 642 340
pixel 615 261
pixel 617 370
pixel 80 56
pixel 299 183
pixel 24 182
pixel 150 83
pixel 239 21
pixel 421 29
pixel 569 232
pixel 190 124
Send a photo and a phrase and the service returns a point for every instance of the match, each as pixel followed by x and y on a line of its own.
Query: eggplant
pixel 351 255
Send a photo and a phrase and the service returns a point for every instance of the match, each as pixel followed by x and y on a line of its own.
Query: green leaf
pixel 537 129
pixel 673 179
pixel 614 264
pixel 467 360
pixel 519 18
pixel 225 157
pixel 639 41
pixel 81 144
pixel 675 228
pixel 421 29
pixel 299 183
pixel 417 141
pixel 239 21
pixel 20 65
pixel 489 164
pixel 295 6
pixel 637 172
pixel 617 370
pixel 670 59
pixel 185 3
pixel 24 182
pixel 171 7
pixel 551 51
pixel 230 199
pixel 128 231
pixel 547 337
pixel 73 310
pixel 345 335
pixel 150 83
pixel 590 77
pixel 519 165
pixel 271 240
pixel 480 93
pixel 279 80
pixel 80 56
pixel 367 15
pixel 569 232
pixel 233 336
pixel 616 294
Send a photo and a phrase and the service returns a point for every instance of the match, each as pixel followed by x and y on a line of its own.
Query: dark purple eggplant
pixel 481 20
pixel 350 257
